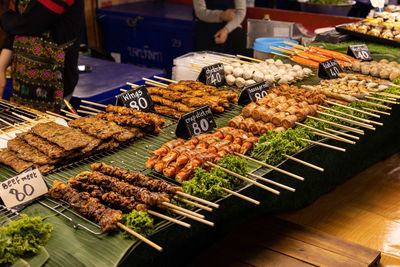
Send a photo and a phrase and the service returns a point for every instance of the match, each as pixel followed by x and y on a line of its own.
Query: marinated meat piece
pixel 98 128
pixel 52 150
pixel 235 121
pixel 65 137
pixel 248 110
pixel 11 159
pixel 27 152
pixel 167 111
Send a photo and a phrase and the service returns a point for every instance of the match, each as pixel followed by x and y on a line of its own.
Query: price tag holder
pixel 359 52
pixel 329 69
pixel 253 92
pixel 137 98
pixel 23 188
pixel 195 122
pixel 212 75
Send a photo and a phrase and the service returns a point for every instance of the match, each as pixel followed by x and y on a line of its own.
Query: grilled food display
pixel 185 96
pixel 349 87
pixel 49 144
pixel 378 27
pixel 271 71
pixel 383 69
pixel 279 110
pixel 178 158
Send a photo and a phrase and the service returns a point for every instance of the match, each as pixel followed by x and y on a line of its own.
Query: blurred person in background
pixel 42 44
pixel 218 26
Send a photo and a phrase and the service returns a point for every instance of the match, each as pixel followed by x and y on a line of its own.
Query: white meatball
pixel 281 72
pixel 248 74
pixel 288 66
pixel 300 74
pixel 249 82
pixel 258 76
pixel 288 77
pixel 240 82
pixel 307 71
pixel 282 67
pixel 292 73
pixel 270 61
pixel 230 79
pixel 273 68
pixel 238 72
pixel 278 62
pixel 297 67
pixel 283 81
pixel 228 69
pixel 269 78
pixel 236 64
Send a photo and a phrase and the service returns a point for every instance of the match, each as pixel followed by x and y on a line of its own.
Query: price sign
pixel 213 75
pixel 23 188
pixel 329 69
pixel 359 52
pixel 137 98
pixel 253 93
pixel 195 122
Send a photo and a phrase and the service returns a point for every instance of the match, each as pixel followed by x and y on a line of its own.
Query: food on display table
pixel 271 71
pixel 381 27
pixel 185 96
pixel 279 110
pixel 383 69
pixel 48 144
pixel 178 158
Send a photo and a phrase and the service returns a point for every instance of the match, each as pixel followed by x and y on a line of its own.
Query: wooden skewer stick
pixel 344 127
pixel 374 104
pixel 123 90
pixel 244 178
pixel 70 114
pixel 236 60
pixel 282 50
pixel 272 182
pixel 165 79
pixel 219 60
pixel 153 81
pixel 354 109
pixel 3 132
pixel 155 84
pixel 387 94
pixel 250 58
pixel 206 202
pixel 191 217
pixel 236 194
pixel 295 45
pixel 352 116
pixel 282 55
pixel 172 206
pixel 139 236
pixel 90 108
pixel 132 85
pixel 194 204
pixel 165 217
pixel 270 166
pixel 370 127
pixel 380 99
pixel 305 163
pixel 393 84
pixel 58 115
pixel 342 133
pixel 93 103
pixel 6 139
pixel 324 145
pixel 16 126
pixel 377 111
pixel 325 134
pixel 24 117
pixel 86 112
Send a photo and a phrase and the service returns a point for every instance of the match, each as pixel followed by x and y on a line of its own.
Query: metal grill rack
pixel 7 215
pixel 6 113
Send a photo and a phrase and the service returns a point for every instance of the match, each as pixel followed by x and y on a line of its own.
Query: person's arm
pixel 5 58
pixel 40 17
pixel 204 14
pixel 240 14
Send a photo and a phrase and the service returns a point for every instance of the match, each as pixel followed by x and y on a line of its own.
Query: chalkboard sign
pixel 359 52
pixel 137 98
pixel 195 122
pixel 253 92
pixel 23 188
pixel 329 69
pixel 212 75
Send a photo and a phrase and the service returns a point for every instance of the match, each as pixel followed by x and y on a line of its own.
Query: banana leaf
pixel 34 260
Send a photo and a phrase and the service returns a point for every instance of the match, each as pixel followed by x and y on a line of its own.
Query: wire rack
pixel 8 215
pixel 6 113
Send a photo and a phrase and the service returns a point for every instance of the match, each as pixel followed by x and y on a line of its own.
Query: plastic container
pixel 262 47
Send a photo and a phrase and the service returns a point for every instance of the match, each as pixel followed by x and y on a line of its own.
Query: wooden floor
pixel 365 210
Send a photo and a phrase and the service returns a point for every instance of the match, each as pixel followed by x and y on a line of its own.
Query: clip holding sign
pixel 137 98
pixel 329 69
pixel 359 52
pixel 253 93
pixel 23 188
pixel 195 122
pixel 212 75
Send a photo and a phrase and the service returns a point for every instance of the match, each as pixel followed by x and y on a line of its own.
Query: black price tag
pixel 137 98
pixel 212 75
pixel 329 69
pixel 253 93
pixel 195 122
pixel 359 52
pixel 23 188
